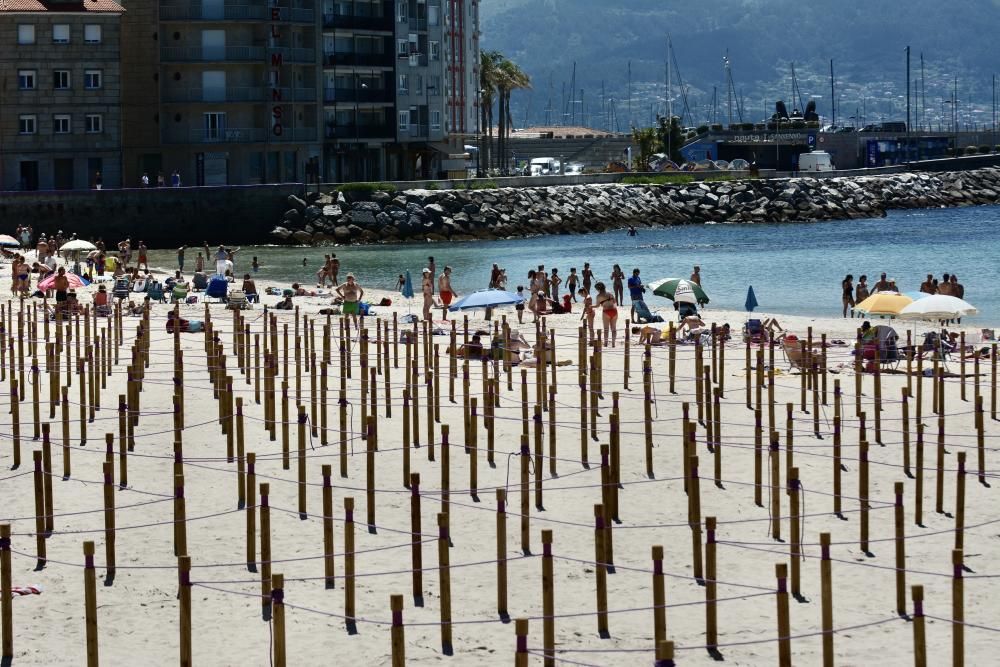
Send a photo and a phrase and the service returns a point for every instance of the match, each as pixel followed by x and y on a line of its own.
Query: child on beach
pixel 520 307
pixel 588 311
pixel 571 283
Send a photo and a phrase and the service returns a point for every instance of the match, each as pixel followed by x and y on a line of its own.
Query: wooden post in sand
pixel 980 440
pixel 826 587
pixel 349 561
pixel 960 502
pixel 939 486
pixel 548 601
pixel 265 544
pixel 416 541
pixel 328 527
pixel 795 540
pixel 784 632
pixel 525 497
pixel 40 518
pixel 863 494
pixel 251 512
pixel 694 518
pixel 47 470
pixel 659 597
pixel 919 630
pixel 918 488
pixel 758 458
pixel 6 602
pixel 521 649
pixel 711 588
pixel 775 488
pixel 301 460
pixel 184 596
pixel 900 550
pixel 90 603
pixel 444 579
pixel 371 445
pixel 584 437
pixel 601 571
pixel 502 553
pixel 905 410
pixel 957 610
pixel 109 517
pixel 277 603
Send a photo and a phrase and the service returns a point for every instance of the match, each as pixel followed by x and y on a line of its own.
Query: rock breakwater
pixel 440 215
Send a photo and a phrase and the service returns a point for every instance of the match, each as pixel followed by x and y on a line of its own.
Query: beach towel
pixel 19 591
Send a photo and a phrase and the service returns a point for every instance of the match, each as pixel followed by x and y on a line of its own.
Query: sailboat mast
pixel 833 97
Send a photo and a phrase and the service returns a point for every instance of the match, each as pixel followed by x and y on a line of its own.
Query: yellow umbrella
pixel 884 304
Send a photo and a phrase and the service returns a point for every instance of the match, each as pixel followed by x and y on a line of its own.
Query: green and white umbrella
pixel 680 290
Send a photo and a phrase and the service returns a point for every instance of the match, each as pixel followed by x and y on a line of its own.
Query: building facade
pixel 60 114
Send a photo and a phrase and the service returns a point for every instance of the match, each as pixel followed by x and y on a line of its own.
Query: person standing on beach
pixel 847 293
pixel 635 290
pixel 617 284
pixel 322 274
pixel 143 259
pixel 520 306
pixel 446 291
pixel 588 311
pixel 696 276
pixel 882 285
pixel 427 288
pixel 609 312
pixel 351 293
pixel 861 291
pixel 588 276
pixel 571 282
pixel 61 285
pixel 334 269
pixel 432 268
pixel 555 281
pixel 180 257
pixel 927 287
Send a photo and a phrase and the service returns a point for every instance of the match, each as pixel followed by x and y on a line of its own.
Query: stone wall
pixel 418 215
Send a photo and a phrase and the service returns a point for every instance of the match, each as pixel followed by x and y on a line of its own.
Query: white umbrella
pixel 938 307
pixel 7 240
pixel 77 244
pixel 684 293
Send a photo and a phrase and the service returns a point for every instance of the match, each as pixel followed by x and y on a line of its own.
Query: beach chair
pixel 237 301
pixel 754 332
pixel 794 350
pixel 643 314
pixel 199 281
pixel 155 292
pixel 139 286
pixel 217 288
pixel 120 290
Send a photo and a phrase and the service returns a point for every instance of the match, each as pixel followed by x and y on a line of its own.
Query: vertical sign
pixel 277 111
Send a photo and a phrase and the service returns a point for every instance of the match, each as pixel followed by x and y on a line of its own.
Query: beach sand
pixel 137 614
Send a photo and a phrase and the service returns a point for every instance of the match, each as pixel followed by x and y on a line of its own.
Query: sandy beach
pixel 138 612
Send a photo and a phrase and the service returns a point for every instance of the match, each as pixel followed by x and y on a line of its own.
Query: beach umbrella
pixel 486 298
pixel 407 286
pixel 884 304
pixel 751 301
pixel 938 307
pixel 8 241
pixel 75 281
pixel 77 244
pixel 668 288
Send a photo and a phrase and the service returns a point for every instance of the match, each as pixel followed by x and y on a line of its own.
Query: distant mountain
pixel 865 38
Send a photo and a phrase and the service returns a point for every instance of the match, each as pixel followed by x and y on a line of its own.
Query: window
pixel 27 124
pixel 26 79
pixel 404 83
pixel 404 120
pixel 434 85
pixel 402 48
pixel 435 50
pixel 433 15
pixel 215 126
pixel 418 84
pixel 60 33
pixel 435 120
pixel 94 123
pixel 60 79
pixel 92 79
pixel 26 33
pixel 401 12
pixel 92 34
pixel 60 124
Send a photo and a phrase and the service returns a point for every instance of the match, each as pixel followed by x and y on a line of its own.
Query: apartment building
pixel 397 76
pixel 60 111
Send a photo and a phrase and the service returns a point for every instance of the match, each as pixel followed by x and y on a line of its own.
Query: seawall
pixel 439 215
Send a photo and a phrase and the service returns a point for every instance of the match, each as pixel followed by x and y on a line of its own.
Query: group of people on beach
pixel 853 295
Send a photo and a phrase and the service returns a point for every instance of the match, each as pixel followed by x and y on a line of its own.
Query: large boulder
pixel 281 233
pixel 297 202
pixel 303 237
pixel 342 234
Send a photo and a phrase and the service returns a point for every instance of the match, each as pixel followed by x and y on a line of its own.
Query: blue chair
pixel 643 314
pixel 218 288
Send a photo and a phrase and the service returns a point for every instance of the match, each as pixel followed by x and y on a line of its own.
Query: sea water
pixel 795 268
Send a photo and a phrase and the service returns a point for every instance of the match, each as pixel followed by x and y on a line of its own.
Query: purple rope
pixel 397 619
pixel 88 562
pixel 277 596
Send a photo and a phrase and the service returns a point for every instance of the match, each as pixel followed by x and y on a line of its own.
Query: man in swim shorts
pixel 446 291
pixel 351 293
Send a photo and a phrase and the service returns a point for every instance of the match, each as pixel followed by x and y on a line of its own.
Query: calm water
pixel 794 268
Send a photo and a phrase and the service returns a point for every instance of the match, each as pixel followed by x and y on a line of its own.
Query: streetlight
pixel 479 130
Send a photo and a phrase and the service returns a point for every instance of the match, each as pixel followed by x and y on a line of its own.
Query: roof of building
pixel 558 131
pixel 95 6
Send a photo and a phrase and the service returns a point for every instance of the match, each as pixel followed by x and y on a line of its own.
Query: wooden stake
pixel 6 595
pixel 278 611
pixel 601 571
pixel 659 597
pixel 251 512
pixel 919 631
pixel 90 603
pixel 265 545
pixel 775 488
pixel 444 576
pixel 521 651
pixel 960 503
pixel 525 497
pixel 826 584
pixel 416 541
pixel 863 494
pixel 957 610
pixel 109 518
pixel 795 541
pixel 502 554
pixel 548 601
pixel 370 473
pixel 40 518
pixel 711 592
pixel 694 518
pixel 349 562
pixel 784 632
pixel 900 551
pixel 918 491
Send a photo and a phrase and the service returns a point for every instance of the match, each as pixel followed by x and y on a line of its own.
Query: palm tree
pixel 489 62
pixel 509 77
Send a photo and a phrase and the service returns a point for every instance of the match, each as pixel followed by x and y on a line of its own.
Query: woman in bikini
pixel 617 284
pixel 847 290
pixel 588 310
pixel 609 312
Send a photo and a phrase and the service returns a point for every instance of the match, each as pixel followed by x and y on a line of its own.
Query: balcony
pixel 235 135
pixel 237 94
pixel 353 132
pixel 358 59
pixel 234 54
pixel 355 95
pixel 196 12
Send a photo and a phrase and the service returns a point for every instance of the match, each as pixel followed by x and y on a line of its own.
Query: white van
pixel 815 161
pixel 543 166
